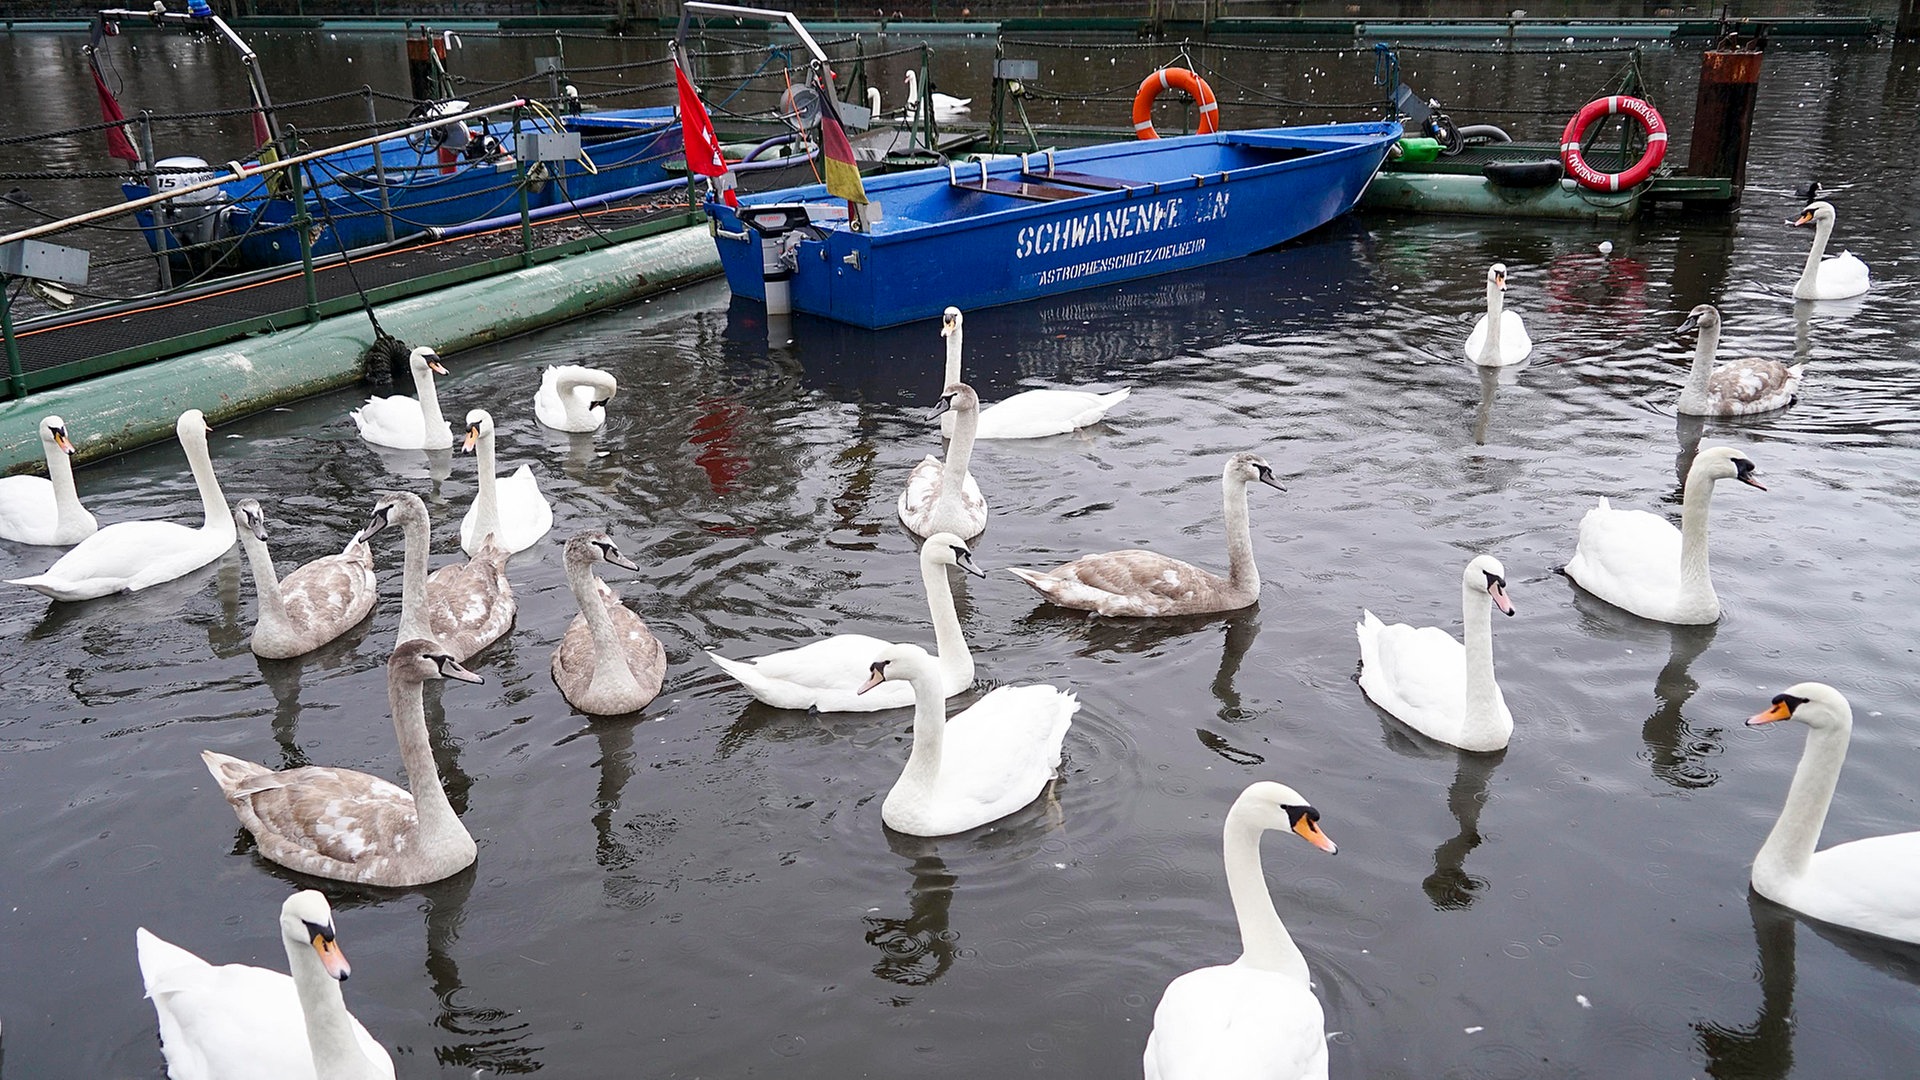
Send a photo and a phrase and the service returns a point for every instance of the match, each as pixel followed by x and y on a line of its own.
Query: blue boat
pixel 248 222
pixel 984 233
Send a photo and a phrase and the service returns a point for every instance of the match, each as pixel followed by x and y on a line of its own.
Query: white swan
pixel 945 106
pixel 128 556
pixel 311 605
pixel 1432 683
pixel 238 1022
pixel 825 675
pixel 46 509
pixel 1638 561
pixel 511 509
pixel 941 496
pixel 463 606
pixel 573 398
pixel 873 101
pixel 608 662
pixel 1871 885
pixel 1030 414
pixel 1738 387
pixel 402 422
pixel 353 826
pixel 1499 338
pixel 980 766
pixel 1837 278
pixel 1256 1018
pixel 1144 584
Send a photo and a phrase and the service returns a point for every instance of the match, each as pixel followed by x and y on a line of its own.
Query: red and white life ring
pixel 1175 79
pixel 1596 110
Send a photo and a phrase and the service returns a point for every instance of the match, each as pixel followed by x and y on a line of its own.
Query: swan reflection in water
pixel 489 1039
pixel 1450 887
pixel 917 948
pixel 1675 750
pixel 284 678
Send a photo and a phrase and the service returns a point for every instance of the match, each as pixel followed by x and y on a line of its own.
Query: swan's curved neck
pixel 1241 573
pixel 913 88
pixel 273 608
pixel 1790 845
pixel 953 471
pixel 922 771
pixel 610 670
pixel 1703 353
pixel 1264 941
pixel 486 506
pixel 577 405
pixel 330 1037
pixel 1483 725
pixel 1490 348
pixel 1822 232
pixel 66 498
pixel 219 518
pixel 948 420
pixel 413 579
pixel 949 642
pixel 1696 585
pixel 430 410
pixel 434 816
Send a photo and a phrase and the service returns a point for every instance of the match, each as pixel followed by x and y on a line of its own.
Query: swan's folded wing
pixel 231 1020
pixel 331 593
pixel 1034 414
pixel 1753 385
pixel 1002 750
pixel 1417 674
pixel 339 813
pixel 1136 581
pixel 1627 552
pixel 1232 1022
pixel 1871 884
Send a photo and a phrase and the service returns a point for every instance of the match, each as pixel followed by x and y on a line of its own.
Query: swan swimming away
pixel 1256 1018
pixel 511 510
pixel 573 398
pixel 1871 885
pixel 313 604
pixel 1499 338
pixel 1738 387
pixel 239 1022
pixel 978 767
pixel 46 509
pixel 824 675
pixel 941 496
pixel 1434 684
pixel 128 556
pixel 348 825
pixel 1144 584
pixel 463 606
pixel 945 106
pixel 1030 414
pixel 608 663
pixel 1640 562
pixel 1837 278
pixel 404 423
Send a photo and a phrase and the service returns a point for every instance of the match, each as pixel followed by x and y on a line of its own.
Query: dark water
pixel 707 891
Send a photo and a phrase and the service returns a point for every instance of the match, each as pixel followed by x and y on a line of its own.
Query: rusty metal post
pixel 1723 115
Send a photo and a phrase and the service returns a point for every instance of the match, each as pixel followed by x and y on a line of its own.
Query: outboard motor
pixel 198 217
pixel 781 228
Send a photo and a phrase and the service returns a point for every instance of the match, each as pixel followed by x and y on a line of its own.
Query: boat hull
pixel 1186 202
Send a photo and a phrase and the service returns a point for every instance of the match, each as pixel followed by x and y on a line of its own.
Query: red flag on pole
pixel 117 142
pixel 696 128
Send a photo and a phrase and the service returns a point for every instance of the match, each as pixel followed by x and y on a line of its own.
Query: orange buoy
pixel 1174 79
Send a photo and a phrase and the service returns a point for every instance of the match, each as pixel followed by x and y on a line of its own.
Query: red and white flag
pixel 696 127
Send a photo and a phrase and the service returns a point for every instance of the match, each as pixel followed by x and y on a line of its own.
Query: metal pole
pixel 520 173
pixel 160 233
pixel 16 376
pixel 303 223
pixel 379 165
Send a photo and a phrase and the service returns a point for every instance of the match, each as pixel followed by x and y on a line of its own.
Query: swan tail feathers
pixel 756 683
pixel 161 961
pixel 237 778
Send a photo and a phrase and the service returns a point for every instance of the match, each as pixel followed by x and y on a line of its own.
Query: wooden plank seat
pixel 1019 189
pixel 1085 180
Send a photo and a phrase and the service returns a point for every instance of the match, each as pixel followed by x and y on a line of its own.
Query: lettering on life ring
pixel 1599 109
pixel 1174 79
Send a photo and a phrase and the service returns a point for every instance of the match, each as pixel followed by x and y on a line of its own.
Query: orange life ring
pixel 1179 79
pixel 1596 110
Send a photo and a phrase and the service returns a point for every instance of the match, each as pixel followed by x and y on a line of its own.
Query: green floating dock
pixel 1450 193
pixel 137 406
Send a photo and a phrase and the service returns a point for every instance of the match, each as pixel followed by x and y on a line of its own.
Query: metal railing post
pixel 164 261
pixel 526 210
pixel 379 164
pixel 303 224
pixel 16 376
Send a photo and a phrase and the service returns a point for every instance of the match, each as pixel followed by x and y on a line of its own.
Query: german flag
pixel 843 175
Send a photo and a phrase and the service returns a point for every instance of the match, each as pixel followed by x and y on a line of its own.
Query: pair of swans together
pixel 1258 1016
pixel 1630 558
pixel 941 495
pixel 945 106
pixel 965 771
